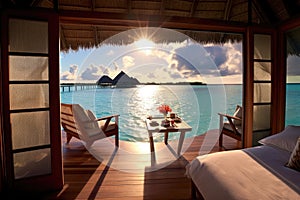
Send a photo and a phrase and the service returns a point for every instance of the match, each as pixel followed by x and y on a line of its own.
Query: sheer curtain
pixel 29 97
pixel 262 85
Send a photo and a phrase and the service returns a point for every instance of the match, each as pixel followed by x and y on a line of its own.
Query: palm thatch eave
pixel 93 37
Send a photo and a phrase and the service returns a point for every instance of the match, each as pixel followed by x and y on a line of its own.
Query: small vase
pixel 166 116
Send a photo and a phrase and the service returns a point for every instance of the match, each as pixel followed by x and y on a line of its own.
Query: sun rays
pixel 145 45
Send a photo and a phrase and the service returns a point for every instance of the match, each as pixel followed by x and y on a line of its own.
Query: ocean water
pixel 292 112
pixel 197 105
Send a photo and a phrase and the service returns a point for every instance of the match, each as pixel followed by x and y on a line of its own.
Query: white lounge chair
pixel 82 124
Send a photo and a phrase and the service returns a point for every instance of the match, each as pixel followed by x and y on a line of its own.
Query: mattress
pixel 252 173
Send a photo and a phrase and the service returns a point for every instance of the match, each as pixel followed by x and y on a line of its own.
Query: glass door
pixel 262 83
pixel 31 118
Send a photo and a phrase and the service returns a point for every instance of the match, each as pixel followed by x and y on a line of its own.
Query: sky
pixel 293 69
pixel 185 61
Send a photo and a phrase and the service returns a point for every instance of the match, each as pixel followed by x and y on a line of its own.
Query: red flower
pixel 164 109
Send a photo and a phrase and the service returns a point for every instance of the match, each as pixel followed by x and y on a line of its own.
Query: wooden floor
pixel 131 171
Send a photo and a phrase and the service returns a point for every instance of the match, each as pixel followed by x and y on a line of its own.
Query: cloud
pixel 71 74
pixel 128 61
pixel 293 68
pixel 110 53
pixel 195 62
pixel 91 73
pixel 233 62
pixel 217 54
pixel 116 66
pixel 175 75
pixel 94 72
pixel 151 75
pixel 181 62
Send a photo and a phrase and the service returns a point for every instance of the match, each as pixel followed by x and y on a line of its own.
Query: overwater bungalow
pixel 105 81
pixel 35 160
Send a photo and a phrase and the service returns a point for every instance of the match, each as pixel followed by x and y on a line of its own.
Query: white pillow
pixel 285 140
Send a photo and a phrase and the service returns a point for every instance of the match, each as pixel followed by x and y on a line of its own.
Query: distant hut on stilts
pixel 105 81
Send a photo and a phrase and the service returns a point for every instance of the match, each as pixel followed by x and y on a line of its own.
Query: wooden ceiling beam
pixel 135 21
pixel 194 7
pixel 227 10
pixel 93 5
pixel 162 7
pixel 129 5
pixel 56 5
pixel 13 2
pixel 35 3
pixel 258 11
pixel 105 27
pixel 265 7
pixel 99 29
pixel 20 3
pixel 292 7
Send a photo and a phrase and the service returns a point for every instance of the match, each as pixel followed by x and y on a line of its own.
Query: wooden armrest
pixel 107 117
pixel 229 116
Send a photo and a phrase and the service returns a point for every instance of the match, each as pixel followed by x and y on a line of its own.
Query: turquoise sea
pixel 292 113
pixel 197 105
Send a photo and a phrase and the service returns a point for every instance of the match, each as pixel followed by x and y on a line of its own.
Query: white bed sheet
pixel 253 173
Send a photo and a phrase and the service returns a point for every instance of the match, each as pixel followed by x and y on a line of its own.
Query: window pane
pixel 262 71
pixel 32 163
pixel 292 111
pixel 29 96
pixel 28 36
pixel 28 68
pixel 30 129
pixel 262 92
pixel 262 47
pixel 261 117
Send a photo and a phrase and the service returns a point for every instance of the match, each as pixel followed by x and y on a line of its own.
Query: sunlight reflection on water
pixel 142 101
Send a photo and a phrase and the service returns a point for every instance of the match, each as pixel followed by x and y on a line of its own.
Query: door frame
pixel 54 180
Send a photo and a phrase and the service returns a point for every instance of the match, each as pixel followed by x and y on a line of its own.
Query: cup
pixel 172 115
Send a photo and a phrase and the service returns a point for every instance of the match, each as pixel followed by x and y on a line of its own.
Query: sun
pixel 145 45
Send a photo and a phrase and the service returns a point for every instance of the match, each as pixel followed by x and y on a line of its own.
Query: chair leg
pixel 117 140
pixel 221 140
pixel 69 137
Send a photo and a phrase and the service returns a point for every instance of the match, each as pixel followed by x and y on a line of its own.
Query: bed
pixel 253 173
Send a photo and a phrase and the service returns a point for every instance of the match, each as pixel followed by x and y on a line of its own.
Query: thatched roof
pixel 87 23
pixel 293 42
pixel 104 80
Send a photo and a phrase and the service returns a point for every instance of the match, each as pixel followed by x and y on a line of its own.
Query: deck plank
pixel 87 178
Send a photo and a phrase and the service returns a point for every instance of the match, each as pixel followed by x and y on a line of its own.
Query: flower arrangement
pixel 164 109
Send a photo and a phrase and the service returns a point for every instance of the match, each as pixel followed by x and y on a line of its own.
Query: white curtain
pixel 262 86
pixel 29 129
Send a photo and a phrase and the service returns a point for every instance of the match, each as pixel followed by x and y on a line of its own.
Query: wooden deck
pixel 132 172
